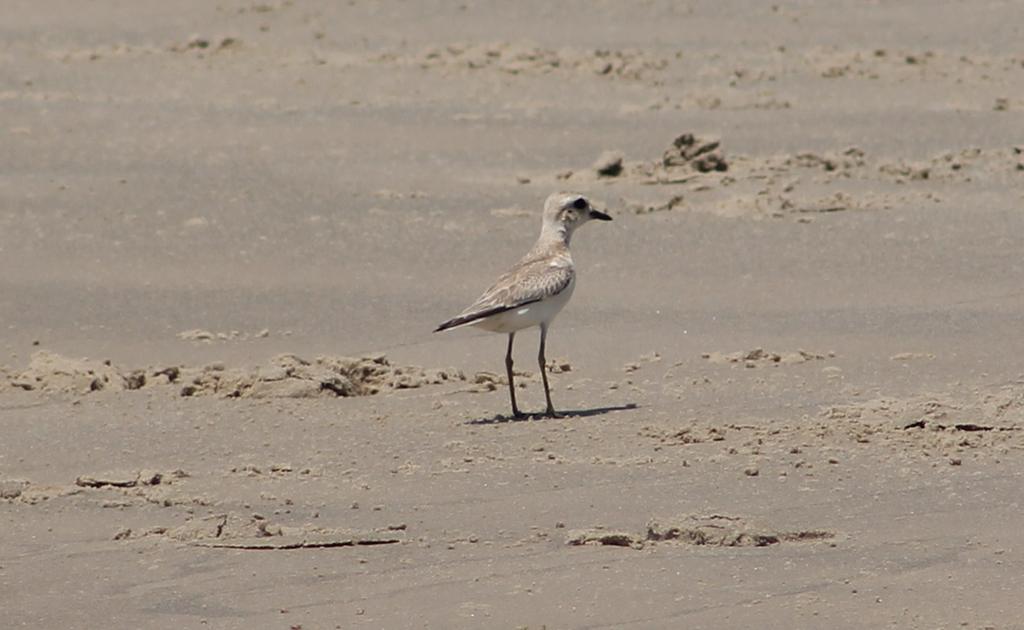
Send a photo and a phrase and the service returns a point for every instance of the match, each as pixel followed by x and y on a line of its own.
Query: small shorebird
pixel 533 291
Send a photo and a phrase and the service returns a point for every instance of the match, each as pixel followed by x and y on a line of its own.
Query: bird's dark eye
pixel 580 203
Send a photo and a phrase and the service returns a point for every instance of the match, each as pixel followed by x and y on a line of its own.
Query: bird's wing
pixel 528 282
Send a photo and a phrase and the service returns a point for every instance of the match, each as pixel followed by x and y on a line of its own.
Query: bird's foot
pixel 551 413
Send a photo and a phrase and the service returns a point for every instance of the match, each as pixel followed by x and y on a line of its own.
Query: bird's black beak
pixel 600 216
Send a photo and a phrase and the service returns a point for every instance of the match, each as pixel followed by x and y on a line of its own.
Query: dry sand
pixel 793 365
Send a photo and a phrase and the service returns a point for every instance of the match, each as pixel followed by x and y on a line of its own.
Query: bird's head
pixel 564 212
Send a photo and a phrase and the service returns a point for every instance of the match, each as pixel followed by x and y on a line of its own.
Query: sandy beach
pixel 792 368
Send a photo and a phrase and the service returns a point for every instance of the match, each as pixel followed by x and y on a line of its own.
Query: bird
pixel 536 288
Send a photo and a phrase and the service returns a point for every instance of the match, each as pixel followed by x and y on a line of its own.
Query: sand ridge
pixel 284 376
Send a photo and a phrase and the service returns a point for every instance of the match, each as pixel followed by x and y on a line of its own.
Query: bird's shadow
pixel 562 415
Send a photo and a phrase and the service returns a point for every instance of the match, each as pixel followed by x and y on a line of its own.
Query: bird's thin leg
pixel 511 381
pixel 544 372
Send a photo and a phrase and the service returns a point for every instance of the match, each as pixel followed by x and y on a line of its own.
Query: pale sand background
pixel 337 179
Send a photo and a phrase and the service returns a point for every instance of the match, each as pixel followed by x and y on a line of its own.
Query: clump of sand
pixel 284 376
pixel 760 357
pixel 690 157
pixel 725 531
pixel 715 530
pixel 700 154
pixel 527 59
pixel 235 531
pixel 24 491
pixel 51 372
